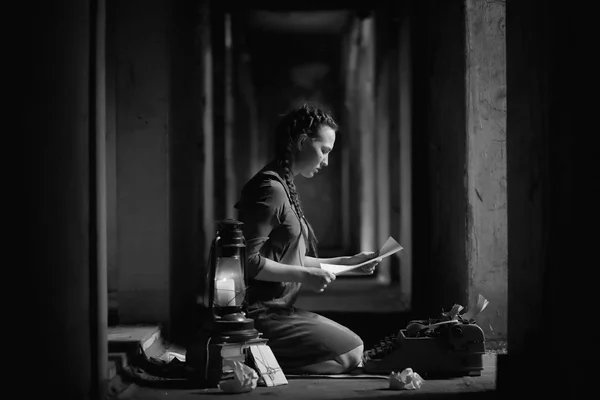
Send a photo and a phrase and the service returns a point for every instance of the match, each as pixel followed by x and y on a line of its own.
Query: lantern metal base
pixel 234 328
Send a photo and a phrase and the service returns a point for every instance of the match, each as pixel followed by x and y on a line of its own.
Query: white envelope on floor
pixel 389 247
pixel 268 367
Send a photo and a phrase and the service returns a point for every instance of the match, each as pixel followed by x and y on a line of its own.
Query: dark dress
pixel 272 230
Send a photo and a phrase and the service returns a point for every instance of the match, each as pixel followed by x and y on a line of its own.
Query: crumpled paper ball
pixel 244 379
pixel 407 380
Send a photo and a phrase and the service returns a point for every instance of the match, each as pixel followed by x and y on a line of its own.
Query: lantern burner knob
pixel 234 317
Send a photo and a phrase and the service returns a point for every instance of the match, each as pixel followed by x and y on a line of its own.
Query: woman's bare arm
pixel 274 271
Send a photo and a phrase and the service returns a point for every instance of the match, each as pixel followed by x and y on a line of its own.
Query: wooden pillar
pixel 486 184
pixel 188 151
pixel 350 197
pixel 112 231
pixel 143 161
pixel 246 136
pixel 382 142
pixel 366 134
pixel 551 291
pixel 231 192
pixel 249 126
pixel 439 200
pixel 98 202
pixel 55 293
pixel 220 166
pixel 207 190
pixel 405 133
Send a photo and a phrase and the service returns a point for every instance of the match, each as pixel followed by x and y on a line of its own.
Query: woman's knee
pixel 351 359
pixel 339 365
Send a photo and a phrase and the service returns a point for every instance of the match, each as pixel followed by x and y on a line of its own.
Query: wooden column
pixel 143 161
pixel 383 64
pixel 366 135
pixel 207 190
pixel 98 203
pixel 350 194
pixel 54 290
pixel 112 258
pixel 187 163
pixel 231 192
pixel 405 133
pixel 439 131
pixel 550 253
pixel 220 168
pixel 486 222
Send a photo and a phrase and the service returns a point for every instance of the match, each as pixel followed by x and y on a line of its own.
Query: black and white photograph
pixel 303 200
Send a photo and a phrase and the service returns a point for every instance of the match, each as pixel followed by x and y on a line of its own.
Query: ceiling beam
pixel 330 21
pixel 305 5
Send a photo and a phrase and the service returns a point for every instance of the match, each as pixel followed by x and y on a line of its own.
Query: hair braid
pixel 309 236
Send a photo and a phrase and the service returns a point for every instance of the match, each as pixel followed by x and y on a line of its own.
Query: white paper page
pixel 482 303
pixel 337 269
pixel 389 247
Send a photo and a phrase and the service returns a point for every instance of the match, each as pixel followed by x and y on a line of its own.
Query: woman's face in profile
pixel 314 152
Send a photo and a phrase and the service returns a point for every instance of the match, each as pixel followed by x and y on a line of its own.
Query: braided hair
pixel 304 120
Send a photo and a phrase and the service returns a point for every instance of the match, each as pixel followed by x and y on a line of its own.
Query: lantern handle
pixel 217 240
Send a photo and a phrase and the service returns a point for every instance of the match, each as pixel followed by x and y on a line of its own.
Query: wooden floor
pixel 371 327
pixel 480 387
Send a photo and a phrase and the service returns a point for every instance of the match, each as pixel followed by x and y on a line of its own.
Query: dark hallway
pixel 457 126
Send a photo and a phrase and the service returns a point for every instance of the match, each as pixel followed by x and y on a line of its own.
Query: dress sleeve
pixel 260 210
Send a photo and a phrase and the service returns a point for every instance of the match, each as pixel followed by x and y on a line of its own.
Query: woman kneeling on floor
pixel 282 252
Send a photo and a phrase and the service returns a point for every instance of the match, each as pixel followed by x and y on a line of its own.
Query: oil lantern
pixel 225 286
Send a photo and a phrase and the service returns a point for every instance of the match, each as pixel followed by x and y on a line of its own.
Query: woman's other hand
pixel 317 279
pixel 361 257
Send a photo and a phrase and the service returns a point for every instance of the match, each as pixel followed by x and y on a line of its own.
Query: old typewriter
pixel 451 345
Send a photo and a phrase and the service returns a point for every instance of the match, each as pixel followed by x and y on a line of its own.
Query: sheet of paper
pixel 389 247
pixel 482 303
pixel 337 269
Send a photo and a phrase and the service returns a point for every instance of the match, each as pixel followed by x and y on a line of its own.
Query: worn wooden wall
pixel 486 183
